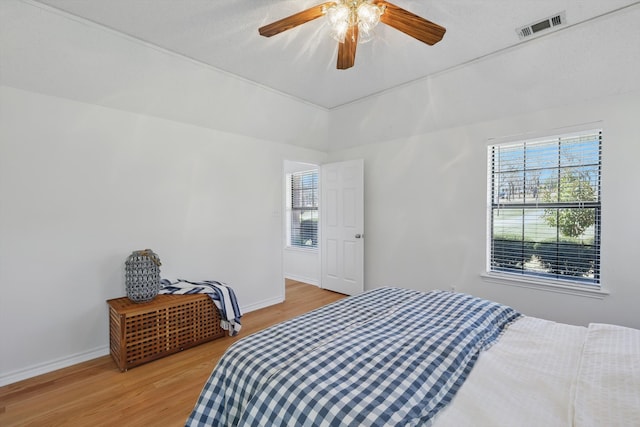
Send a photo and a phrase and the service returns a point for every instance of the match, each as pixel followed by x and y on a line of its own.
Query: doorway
pixel 324 225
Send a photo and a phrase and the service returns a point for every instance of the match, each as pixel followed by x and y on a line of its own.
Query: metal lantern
pixel 142 275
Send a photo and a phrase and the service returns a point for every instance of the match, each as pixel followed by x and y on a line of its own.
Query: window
pixel 303 209
pixel 544 208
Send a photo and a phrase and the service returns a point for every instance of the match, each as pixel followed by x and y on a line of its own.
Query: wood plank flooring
pixel 160 393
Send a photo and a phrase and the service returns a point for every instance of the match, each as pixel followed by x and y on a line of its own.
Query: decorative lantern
pixel 142 275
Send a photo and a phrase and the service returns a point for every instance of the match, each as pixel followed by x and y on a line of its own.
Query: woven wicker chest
pixel 142 332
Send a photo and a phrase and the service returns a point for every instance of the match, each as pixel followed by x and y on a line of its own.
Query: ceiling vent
pixel 550 22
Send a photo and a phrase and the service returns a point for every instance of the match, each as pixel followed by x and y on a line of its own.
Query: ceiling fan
pixel 353 20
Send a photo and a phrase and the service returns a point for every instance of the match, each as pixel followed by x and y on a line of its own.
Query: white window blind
pixel 545 208
pixel 304 209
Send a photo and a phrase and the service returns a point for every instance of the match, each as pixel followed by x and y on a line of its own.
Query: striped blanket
pixel 222 295
pixel 388 357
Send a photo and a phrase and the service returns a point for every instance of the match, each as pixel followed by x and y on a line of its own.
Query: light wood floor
pixel 160 393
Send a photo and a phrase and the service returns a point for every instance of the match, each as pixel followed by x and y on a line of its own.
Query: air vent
pixel 545 24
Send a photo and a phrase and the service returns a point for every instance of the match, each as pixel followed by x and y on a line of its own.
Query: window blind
pixel 545 207
pixel 304 209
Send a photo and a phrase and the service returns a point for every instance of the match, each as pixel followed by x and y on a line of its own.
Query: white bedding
pixel 548 374
pixel 608 386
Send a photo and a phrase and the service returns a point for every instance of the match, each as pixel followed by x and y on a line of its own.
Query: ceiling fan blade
pixel 294 20
pixel 411 24
pixel 347 50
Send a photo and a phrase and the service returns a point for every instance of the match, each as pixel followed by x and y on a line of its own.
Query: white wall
pixel 570 67
pixel 108 146
pixel 82 186
pixel 425 204
pixel 48 51
pixel 424 147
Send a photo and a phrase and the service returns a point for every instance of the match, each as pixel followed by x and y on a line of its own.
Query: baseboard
pixel 308 280
pixel 262 304
pixel 54 365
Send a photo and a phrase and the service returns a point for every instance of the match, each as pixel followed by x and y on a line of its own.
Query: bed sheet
pixel 526 379
pixel 543 373
pixel 608 387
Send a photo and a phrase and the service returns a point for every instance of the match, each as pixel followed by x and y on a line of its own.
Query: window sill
pixel 545 285
pixel 301 249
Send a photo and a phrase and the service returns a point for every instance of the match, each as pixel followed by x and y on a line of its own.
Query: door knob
pixel 358 236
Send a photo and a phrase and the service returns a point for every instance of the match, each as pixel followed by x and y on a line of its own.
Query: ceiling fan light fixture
pixel 345 14
pixel 368 18
pixel 353 22
pixel 338 17
pixel 339 32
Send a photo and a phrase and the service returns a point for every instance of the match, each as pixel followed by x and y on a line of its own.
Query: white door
pixel 342 226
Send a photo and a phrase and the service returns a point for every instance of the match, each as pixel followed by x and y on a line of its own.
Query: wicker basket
pixel 142 275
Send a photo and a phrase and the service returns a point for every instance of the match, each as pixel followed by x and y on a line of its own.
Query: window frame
pixel 528 278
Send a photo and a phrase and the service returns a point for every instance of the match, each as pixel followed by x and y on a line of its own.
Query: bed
pixel 399 357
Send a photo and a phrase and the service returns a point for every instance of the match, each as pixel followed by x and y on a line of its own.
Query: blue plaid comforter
pixel 387 357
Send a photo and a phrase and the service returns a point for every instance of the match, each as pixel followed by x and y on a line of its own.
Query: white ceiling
pixel 302 62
